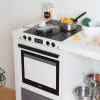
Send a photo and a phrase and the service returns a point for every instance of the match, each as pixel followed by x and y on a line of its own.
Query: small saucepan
pixel 93 81
pixel 83 93
pixel 71 26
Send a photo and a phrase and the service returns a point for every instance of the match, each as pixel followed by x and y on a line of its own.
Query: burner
pixel 54 32
pixel 50 30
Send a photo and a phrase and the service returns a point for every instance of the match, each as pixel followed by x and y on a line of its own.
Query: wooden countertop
pixel 7 94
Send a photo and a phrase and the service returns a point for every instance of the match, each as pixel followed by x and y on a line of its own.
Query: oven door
pixel 39 69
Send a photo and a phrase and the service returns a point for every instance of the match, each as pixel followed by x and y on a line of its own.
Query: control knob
pixel 29 38
pixel 48 43
pixel 24 37
pixel 53 44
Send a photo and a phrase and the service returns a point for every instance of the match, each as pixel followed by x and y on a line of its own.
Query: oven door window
pixel 40 71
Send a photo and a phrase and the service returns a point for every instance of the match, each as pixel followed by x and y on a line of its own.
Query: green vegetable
pixel 0 76
pixel 86 21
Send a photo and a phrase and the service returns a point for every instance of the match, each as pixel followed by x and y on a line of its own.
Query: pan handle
pixel 75 20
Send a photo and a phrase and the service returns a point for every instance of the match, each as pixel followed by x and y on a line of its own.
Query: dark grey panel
pixel 28 95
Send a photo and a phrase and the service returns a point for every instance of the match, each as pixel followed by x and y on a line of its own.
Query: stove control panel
pixel 45 42
pixel 38 40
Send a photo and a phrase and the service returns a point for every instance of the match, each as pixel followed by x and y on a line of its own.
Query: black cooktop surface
pixel 60 35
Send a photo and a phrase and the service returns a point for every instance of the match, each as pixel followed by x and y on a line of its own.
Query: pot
pixel 71 27
pixel 93 84
pixel 83 93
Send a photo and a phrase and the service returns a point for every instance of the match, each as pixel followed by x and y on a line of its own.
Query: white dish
pixel 91 32
pixel 94 24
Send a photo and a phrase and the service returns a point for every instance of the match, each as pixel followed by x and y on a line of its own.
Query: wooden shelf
pixel 7 94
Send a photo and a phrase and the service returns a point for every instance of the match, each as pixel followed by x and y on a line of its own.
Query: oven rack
pixel 2 77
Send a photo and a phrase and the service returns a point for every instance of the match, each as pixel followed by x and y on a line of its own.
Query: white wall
pixel 6 58
pixel 16 13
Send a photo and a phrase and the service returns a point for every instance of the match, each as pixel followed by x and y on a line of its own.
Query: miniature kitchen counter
pixel 82 47
pixel 7 94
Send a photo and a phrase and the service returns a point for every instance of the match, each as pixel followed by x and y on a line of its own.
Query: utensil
pixel 94 85
pixel 89 79
pixel 76 19
pixel 73 26
pixel 83 93
pixel 69 27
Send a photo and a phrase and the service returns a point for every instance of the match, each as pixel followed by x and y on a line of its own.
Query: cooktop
pixel 54 33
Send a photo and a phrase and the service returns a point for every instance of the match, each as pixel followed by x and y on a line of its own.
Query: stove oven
pixel 41 71
pixel 40 66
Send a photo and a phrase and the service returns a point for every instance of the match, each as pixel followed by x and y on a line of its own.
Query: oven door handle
pixel 38 51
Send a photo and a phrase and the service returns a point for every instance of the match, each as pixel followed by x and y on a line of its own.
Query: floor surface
pixel 7 94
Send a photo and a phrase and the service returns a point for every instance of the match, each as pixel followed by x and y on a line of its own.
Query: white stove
pixel 39 64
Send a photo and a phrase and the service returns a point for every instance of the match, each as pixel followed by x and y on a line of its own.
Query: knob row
pixel 29 38
pixel 47 42
pixel 52 44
